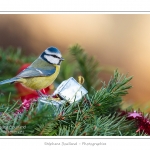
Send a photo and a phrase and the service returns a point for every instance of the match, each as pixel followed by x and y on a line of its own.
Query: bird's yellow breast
pixel 38 83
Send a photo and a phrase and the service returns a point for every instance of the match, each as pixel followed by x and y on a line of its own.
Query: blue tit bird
pixel 42 72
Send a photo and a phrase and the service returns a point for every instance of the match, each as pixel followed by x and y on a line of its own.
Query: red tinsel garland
pixel 143 122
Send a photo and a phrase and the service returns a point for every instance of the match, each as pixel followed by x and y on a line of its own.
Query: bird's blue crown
pixel 53 50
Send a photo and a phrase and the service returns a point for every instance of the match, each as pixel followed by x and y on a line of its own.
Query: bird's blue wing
pixel 36 72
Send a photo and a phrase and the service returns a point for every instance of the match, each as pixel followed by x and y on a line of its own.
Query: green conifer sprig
pixel 102 126
pixel 110 96
pixel 11 59
pixel 87 66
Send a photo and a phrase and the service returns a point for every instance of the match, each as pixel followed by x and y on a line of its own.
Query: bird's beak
pixel 62 59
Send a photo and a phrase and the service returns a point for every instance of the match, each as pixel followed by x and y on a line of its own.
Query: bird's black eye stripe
pixel 55 56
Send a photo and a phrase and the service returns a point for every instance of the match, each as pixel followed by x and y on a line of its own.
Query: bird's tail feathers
pixel 9 80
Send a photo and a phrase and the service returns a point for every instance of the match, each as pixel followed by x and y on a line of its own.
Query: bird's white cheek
pixel 52 59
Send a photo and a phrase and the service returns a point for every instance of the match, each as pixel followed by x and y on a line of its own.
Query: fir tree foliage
pixel 11 59
pixel 110 96
pixel 90 117
pixel 96 114
pixel 88 67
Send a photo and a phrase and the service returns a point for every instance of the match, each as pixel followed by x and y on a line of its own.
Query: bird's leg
pixel 41 94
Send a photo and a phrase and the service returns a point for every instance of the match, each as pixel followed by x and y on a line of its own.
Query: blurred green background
pixel 116 41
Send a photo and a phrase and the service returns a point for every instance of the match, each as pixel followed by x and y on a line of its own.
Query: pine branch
pixel 110 96
pixel 111 125
pixel 95 115
pixel 88 67
pixel 11 60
